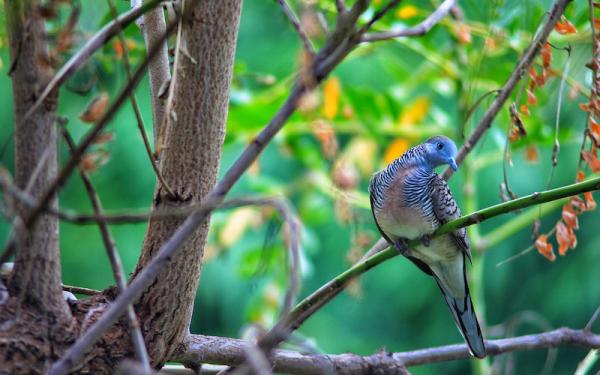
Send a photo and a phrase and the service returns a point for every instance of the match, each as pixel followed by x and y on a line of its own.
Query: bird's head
pixel 440 150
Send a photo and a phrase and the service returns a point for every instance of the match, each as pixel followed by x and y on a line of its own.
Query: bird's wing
pixel 419 263
pixel 445 209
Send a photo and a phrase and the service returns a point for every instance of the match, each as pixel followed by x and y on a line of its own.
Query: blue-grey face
pixel 441 150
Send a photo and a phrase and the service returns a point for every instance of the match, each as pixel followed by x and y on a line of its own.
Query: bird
pixel 409 201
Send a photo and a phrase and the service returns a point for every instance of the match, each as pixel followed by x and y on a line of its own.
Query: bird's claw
pixel 401 244
pixel 426 240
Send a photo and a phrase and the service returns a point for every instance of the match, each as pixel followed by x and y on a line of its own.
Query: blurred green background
pixel 384 97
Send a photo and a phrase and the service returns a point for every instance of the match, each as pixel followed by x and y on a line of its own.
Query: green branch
pixel 326 292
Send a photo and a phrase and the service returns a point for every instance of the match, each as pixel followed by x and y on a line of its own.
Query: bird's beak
pixel 453 164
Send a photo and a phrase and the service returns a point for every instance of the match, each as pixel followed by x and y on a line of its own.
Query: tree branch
pixel 113 256
pixel 532 51
pixel 159 74
pixel 198 349
pixel 325 293
pixel 418 30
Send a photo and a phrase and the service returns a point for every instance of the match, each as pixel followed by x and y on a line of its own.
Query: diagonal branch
pixel 198 349
pixel 115 260
pixel 418 30
pixel 532 51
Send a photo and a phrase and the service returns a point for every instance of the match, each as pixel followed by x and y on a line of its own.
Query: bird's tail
pixel 466 320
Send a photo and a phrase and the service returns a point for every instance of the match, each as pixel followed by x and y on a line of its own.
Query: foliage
pixel 384 98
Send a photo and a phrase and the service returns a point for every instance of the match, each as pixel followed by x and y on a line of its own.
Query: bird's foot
pixel 426 240
pixel 401 244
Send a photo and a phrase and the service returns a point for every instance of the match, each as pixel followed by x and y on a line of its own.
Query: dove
pixel 409 200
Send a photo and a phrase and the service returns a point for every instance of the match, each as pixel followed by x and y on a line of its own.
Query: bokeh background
pixel 384 98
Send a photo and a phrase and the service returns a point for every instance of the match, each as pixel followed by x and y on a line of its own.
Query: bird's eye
pixel 440 146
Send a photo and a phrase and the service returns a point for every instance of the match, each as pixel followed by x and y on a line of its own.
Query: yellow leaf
pixel 395 149
pixel 407 11
pixel 331 97
pixel 236 225
pixel 416 112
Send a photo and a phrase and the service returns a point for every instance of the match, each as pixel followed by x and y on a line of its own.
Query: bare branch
pixel 113 256
pixel 418 30
pixel 91 46
pixel 378 15
pixel 532 51
pixel 297 26
pixel 80 290
pixel 199 349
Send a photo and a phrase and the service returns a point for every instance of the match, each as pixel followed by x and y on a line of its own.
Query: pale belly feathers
pixel 409 223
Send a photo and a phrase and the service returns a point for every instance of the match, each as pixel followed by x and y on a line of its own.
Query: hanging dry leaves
pixel 546 54
pixel 569 216
pixel 545 248
pixel 531 98
pixel 590 203
pixel 591 158
pixel 95 108
pixel 518 128
pixel 104 138
pixel 92 161
pixel 564 26
pixel 594 131
pixel 331 97
pixel 565 237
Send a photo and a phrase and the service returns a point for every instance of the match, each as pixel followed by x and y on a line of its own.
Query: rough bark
pixel 190 164
pixel 34 320
pixel 36 273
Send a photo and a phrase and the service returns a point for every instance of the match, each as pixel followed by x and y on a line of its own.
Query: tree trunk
pixel 190 163
pixel 35 319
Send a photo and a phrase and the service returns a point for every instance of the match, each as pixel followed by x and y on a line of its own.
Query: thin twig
pixel 588 326
pixel 378 15
pixel 113 256
pixel 297 26
pixel 136 108
pixel 198 349
pixel 92 45
pixel 80 290
pixel 532 51
pixel 418 30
